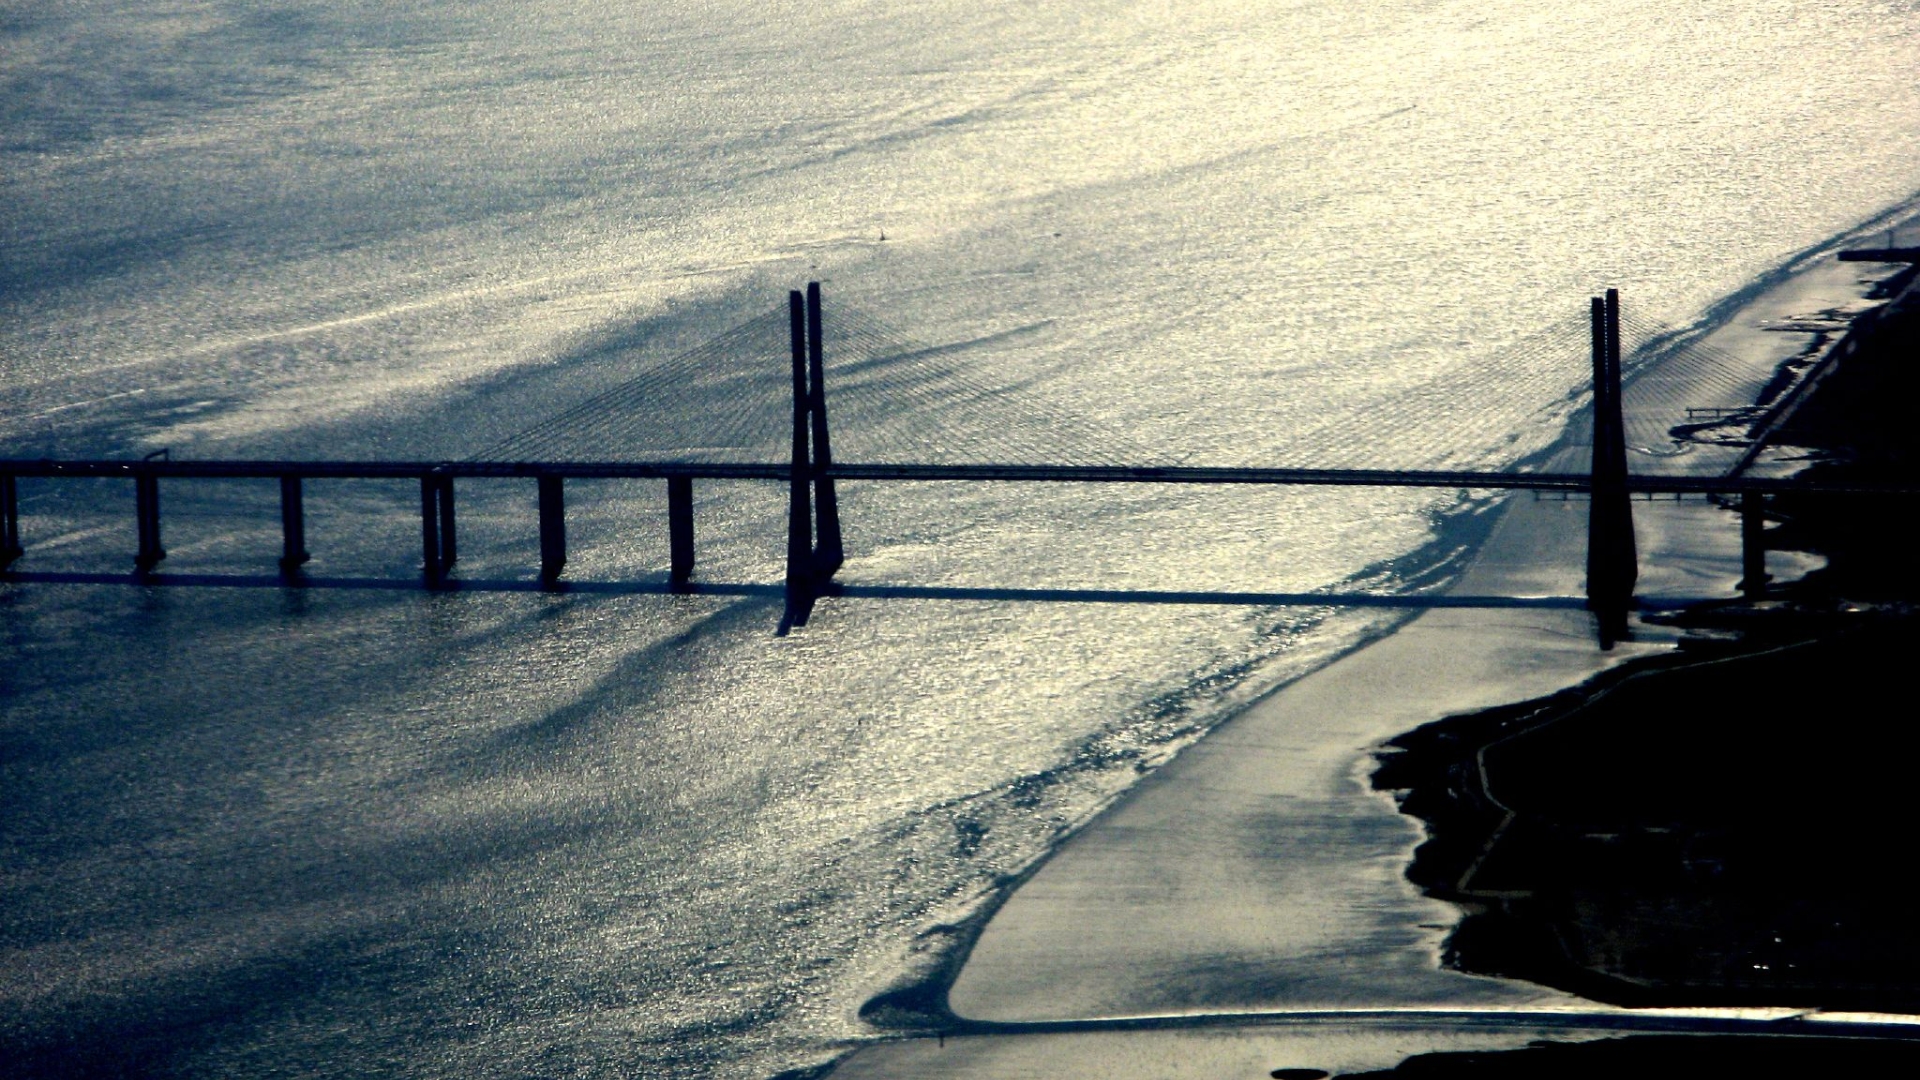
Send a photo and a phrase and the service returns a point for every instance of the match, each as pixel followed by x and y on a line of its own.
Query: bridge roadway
pixel 1121 474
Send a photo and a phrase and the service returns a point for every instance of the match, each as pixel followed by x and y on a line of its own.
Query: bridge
pixel 562 448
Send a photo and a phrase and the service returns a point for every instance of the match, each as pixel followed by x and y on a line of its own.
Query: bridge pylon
pixel 814 547
pixel 1612 561
pixel 800 576
pixel 828 552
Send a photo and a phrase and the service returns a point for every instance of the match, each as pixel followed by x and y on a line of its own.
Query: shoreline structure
pixel 1248 905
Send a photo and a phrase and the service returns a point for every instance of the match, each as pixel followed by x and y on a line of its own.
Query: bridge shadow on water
pixel 836 590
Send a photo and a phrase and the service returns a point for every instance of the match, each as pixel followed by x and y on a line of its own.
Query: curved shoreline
pixel 1571 878
pixel 923 1004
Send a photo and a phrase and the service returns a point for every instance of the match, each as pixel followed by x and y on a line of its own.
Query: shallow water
pixel 353 830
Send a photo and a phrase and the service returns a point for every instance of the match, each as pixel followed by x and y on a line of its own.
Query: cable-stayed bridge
pixel 756 402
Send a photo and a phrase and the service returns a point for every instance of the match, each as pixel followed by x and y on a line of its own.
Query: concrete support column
pixel 680 528
pixel 436 528
pixel 146 510
pixel 553 530
pixel 293 526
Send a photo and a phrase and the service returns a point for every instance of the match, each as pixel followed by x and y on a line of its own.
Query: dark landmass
pixel 1655 1057
pixel 1731 824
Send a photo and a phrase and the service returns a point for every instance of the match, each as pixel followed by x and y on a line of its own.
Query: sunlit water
pixel 345 831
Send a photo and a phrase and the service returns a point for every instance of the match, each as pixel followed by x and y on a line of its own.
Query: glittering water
pixel 365 830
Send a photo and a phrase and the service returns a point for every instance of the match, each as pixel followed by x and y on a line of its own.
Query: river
pixel 361 830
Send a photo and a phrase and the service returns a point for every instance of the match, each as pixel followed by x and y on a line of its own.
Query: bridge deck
pixel 1123 474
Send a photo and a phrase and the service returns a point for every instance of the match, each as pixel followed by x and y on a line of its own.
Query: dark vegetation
pixel 1658 1057
pixel 1731 824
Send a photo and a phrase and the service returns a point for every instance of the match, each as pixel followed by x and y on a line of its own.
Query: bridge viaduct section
pixel 815 545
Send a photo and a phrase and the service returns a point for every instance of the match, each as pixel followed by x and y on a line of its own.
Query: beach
pixel 1259 882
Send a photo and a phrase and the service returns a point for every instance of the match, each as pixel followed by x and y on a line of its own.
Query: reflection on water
pixel 356 830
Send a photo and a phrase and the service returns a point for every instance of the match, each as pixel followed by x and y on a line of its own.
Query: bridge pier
pixel 800 582
pixel 146 512
pixel 437 549
pixel 1612 562
pixel 553 530
pixel 293 526
pixel 10 548
pixel 1753 544
pixel 680 529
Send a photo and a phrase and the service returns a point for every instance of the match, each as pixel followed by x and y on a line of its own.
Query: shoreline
pixel 1519 653
pixel 1714 877
pixel 1780 897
